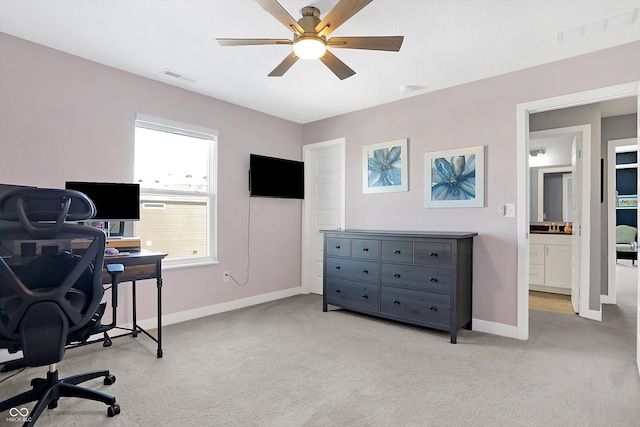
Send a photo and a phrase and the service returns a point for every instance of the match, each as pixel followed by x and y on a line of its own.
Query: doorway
pixel 627 90
pixel 569 150
pixel 523 216
pixel 324 205
pixel 613 147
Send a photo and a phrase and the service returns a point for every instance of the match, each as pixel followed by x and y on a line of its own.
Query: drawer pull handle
pixel 432 308
pixel 397 251
pixel 365 250
pixel 433 279
pixel 337 291
pixel 396 275
pixel 433 253
pixel 365 271
pixel 338 247
pixel 365 296
pixel 337 267
pixel 395 301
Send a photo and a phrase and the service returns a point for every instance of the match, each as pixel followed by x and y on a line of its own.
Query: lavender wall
pixel 477 113
pixel 65 118
pixel 61 116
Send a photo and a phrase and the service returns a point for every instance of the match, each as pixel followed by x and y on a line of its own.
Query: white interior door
pixel 324 205
pixel 576 191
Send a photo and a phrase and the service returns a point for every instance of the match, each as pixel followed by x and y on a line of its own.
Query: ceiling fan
pixel 310 36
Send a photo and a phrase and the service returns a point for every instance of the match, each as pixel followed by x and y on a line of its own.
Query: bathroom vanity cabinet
pixel 550 263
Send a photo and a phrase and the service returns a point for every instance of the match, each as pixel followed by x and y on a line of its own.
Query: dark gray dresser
pixel 423 278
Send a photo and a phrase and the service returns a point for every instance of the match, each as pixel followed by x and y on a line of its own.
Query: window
pixel 175 165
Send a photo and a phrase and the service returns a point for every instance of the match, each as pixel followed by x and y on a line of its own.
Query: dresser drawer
pixel 354 294
pixel 432 253
pixel 397 251
pixel 365 249
pixel 424 306
pixel 413 276
pixel 352 269
pixel 338 246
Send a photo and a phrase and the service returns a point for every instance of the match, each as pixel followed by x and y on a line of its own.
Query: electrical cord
pixel 13 375
pixel 248 249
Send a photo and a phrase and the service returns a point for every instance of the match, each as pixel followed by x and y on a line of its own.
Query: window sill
pixel 172 266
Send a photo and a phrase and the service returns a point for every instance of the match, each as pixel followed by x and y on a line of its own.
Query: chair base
pixel 47 392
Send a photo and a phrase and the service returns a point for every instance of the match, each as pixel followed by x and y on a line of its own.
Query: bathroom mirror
pixel 554 194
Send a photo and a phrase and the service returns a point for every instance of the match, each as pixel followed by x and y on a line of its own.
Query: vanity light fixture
pixel 536 152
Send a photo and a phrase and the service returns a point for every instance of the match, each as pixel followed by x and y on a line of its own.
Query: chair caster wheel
pixel 113 410
pixel 109 379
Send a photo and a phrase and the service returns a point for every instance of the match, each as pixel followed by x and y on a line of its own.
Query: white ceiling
pixel 447 42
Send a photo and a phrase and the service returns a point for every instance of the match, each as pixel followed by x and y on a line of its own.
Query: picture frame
pixel 627 202
pixel 385 167
pixel 454 178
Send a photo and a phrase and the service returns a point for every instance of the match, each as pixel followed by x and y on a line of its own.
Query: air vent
pixel 180 76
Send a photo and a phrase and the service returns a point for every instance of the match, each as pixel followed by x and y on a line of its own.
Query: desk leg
pixel 135 314
pixel 159 285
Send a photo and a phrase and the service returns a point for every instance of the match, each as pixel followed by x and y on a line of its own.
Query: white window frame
pixel 165 125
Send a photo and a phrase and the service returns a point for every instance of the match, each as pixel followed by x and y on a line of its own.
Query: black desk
pixel 138 266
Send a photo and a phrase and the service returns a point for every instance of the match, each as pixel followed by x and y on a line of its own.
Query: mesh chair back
pixel 50 271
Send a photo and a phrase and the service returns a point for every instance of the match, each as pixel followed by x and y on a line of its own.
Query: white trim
pixel 306 232
pixel 495 328
pixel 166 125
pixel 211 135
pixel 200 312
pixel 522 122
pixel 613 146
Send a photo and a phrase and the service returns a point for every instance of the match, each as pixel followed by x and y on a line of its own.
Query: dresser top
pixel 407 233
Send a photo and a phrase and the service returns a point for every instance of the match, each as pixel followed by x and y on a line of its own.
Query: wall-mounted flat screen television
pixel 114 201
pixel 273 177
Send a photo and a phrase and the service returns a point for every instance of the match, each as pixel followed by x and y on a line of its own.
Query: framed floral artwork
pixel 384 167
pixel 454 178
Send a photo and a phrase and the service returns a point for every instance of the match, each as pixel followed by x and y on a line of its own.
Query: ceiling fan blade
pixel 251 42
pixel 342 11
pixel 280 13
pixel 389 43
pixel 284 65
pixel 338 67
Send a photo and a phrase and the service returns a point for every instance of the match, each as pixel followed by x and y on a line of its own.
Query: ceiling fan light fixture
pixel 309 47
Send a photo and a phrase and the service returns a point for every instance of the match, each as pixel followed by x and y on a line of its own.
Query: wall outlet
pixel 225 276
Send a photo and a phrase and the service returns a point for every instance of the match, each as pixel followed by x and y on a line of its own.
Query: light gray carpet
pixel 286 363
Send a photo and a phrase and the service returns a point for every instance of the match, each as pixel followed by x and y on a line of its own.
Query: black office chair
pixel 50 290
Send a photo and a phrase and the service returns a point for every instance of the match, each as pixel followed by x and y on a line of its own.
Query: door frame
pixel 522 115
pixel 307 236
pixel 612 287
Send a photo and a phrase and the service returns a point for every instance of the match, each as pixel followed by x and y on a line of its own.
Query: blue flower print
pixel 454 179
pixel 384 167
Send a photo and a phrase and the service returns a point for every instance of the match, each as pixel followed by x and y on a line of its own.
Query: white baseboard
pixel 183 316
pixel 197 313
pixel 495 328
